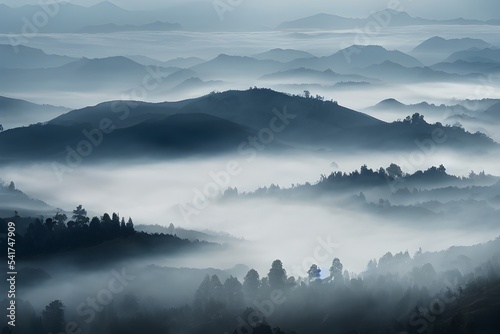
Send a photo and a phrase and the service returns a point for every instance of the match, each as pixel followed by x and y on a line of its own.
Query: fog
pixel 151 193
pixel 361 153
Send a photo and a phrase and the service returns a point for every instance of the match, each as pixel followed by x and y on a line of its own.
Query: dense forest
pixel 396 294
pixel 454 292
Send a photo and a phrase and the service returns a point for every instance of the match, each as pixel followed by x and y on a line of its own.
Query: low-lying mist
pixel 164 192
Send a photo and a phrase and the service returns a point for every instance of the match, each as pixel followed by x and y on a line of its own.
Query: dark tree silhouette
pixel 251 283
pixel 80 216
pixel 336 270
pixel 394 171
pixel 277 275
pixel 314 273
pixel 53 317
pixel 233 291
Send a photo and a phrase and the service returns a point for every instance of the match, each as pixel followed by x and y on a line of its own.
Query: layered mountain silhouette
pixel 305 75
pixel 24 57
pixel 216 123
pixel 389 71
pixel 16 112
pixel 67 17
pixel 468 67
pixel 356 56
pixel 389 17
pixel 282 55
pixel 422 107
pixel 177 62
pixel 488 55
pixel 437 48
pixel 438 44
pixel 83 75
pixel 227 66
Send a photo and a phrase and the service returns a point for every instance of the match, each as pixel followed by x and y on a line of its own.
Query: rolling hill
pixel 16 112
pixel 217 123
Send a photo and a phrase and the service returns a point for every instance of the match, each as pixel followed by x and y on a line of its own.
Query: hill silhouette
pixel 16 112
pixel 220 122
pixel 24 57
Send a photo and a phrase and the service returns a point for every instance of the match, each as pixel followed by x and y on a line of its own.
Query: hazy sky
pixel 281 9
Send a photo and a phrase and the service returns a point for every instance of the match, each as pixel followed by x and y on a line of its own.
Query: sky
pixel 286 9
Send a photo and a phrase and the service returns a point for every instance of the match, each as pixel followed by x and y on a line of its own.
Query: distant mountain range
pixel 395 105
pixel 356 56
pixel 391 72
pixel 488 55
pixel 33 70
pixel 397 18
pixel 192 15
pixel 436 49
pixel 82 75
pixel 23 57
pixel 305 76
pixel 438 44
pixel 220 122
pixel 106 17
pixel 467 67
pixel 282 55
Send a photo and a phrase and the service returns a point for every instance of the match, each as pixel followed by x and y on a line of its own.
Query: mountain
pixel 488 55
pixel 15 200
pixel 282 55
pixel 111 27
pixel 216 123
pixel 117 73
pixel 308 76
pixel 320 21
pixel 184 62
pixel 422 107
pixel 392 72
pixel 25 57
pixel 493 113
pixel 438 44
pixel 356 56
pixel 388 104
pixel 68 17
pixel 226 66
pixel 176 63
pixel 324 21
pixel 15 112
pixel 467 67
pixel 171 137
pixel 437 48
